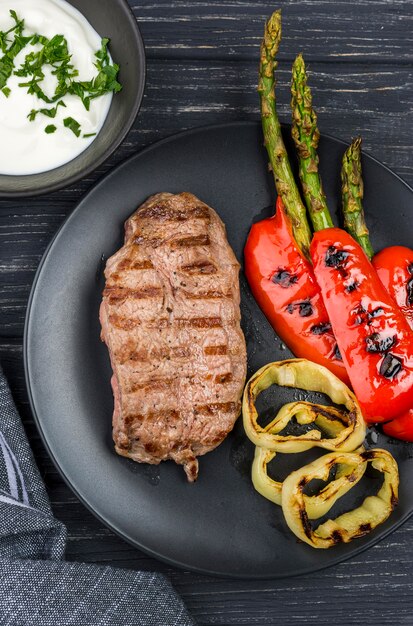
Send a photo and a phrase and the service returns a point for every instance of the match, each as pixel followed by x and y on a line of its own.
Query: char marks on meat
pixel 170 317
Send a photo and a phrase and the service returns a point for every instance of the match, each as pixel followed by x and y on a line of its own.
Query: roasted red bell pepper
pixel 401 427
pixel 394 266
pixel 373 336
pixel 283 283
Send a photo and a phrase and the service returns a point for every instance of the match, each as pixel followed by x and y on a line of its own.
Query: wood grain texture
pixel 349 31
pixel 202 67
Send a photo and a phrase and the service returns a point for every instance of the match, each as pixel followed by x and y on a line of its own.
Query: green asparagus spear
pixel 284 179
pixel 306 136
pixel 352 196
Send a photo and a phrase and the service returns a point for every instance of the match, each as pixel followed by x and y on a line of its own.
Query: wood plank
pixel 368 30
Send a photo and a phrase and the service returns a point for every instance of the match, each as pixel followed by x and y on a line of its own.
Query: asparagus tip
pixel 352 195
pixel 355 147
pixel 272 34
pixel 299 64
pixel 352 159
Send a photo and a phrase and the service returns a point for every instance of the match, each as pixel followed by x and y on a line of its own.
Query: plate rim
pixel 113 527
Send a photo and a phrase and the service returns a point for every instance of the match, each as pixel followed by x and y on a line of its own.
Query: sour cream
pixel 25 146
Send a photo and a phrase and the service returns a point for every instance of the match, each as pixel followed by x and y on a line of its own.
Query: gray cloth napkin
pixel 37 588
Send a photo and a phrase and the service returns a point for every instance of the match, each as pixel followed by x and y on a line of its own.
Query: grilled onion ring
pixel 344 431
pixel 347 475
pixel 356 523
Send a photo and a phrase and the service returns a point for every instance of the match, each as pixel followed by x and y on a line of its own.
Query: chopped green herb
pixel 17 28
pixel 7 61
pixel 48 112
pixel 74 126
pixel 54 53
pixel 86 135
pixel 51 128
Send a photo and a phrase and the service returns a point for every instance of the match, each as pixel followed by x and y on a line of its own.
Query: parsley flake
pixel 74 126
pixel 47 112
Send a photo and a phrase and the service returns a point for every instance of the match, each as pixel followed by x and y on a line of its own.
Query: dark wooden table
pixel 201 69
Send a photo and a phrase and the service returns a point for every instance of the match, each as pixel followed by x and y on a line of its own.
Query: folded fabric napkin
pixel 37 588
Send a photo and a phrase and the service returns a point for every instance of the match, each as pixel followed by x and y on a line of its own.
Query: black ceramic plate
pixel 219 525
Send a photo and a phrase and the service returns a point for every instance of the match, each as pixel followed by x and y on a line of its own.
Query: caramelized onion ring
pixel 373 511
pixel 343 430
pixel 347 475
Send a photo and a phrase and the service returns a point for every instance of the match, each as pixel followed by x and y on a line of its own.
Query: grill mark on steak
pixel 192 241
pixel 151 242
pixel 216 407
pixel 131 264
pixel 222 379
pixel 183 242
pixel 201 267
pixel 215 350
pixel 179 352
pixel 162 384
pixel 119 294
pixel 165 213
pixel 122 322
pixel 199 322
pixel 173 400
pixel 167 415
pixel 206 295
pixel 125 353
pixel 165 384
pixel 126 323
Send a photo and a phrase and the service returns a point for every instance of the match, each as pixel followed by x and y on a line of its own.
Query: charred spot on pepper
pixel 362 316
pixel 332 416
pixel 321 329
pixel 337 353
pixel 359 315
pixel 336 536
pixel 394 500
pixel 375 312
pixel 390 366
pixel 351 478
pixel 378 343
pixel 352 417
pixel 305 523
pixel 409 289
pixel 364 528
pixel 305 308
pixel 335 257
pixel 352 286
pixel 367 455
pixel 284 278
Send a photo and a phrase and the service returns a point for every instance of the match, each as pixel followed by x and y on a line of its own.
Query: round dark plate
pixel 218 525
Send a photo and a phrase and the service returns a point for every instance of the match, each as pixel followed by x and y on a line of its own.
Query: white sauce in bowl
pixel 25 146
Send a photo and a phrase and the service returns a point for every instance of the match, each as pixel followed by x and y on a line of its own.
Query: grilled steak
pixel 170 317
